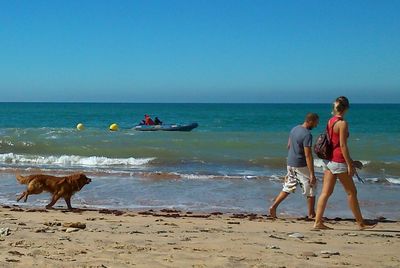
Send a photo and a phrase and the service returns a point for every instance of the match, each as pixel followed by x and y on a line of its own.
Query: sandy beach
pixel 169 238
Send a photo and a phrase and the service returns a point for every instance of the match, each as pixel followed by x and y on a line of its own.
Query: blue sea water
pixel 233 161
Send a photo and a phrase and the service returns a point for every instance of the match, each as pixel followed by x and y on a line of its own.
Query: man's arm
pixel 310 164
pixel 288 144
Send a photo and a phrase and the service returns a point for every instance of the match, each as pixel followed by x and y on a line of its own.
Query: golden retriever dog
pixel 59 187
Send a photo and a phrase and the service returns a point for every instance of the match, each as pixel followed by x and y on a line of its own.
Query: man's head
pixel 311 121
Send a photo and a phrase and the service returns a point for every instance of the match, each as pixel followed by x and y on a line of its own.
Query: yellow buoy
pixel 114 127
pixel 80 126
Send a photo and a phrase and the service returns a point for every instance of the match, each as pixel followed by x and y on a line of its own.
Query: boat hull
pixel 167 127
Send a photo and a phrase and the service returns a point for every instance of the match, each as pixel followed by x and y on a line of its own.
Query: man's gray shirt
pixel 299 137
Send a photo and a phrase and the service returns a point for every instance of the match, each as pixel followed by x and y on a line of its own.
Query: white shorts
pixel 334 167
pixel 298 175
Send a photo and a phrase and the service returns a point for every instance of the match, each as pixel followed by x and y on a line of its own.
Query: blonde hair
pixel 340 105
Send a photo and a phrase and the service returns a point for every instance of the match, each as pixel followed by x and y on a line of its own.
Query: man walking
pixel 300 165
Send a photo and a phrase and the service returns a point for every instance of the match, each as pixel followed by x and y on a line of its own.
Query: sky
pixel 200 51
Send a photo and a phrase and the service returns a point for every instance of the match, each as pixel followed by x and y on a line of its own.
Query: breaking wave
pixel 72 160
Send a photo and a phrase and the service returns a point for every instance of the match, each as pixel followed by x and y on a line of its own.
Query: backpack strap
pixel 327 128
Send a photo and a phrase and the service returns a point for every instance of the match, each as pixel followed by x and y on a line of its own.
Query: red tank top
pixel 337 155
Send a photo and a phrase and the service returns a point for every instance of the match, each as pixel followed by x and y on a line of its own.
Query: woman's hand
pixel 351 170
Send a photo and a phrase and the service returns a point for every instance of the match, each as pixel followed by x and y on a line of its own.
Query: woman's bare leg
pixel 350 188
pixel 328 185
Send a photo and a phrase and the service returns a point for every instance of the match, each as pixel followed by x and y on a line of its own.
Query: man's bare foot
pixel 311 216
pixel 321 226
pixel 272 212
pixel 367 225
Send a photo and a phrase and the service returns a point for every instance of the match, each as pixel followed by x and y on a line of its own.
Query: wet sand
pixel 170 238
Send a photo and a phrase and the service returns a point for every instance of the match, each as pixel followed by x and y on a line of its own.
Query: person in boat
pixel 148 121
pixel 157 121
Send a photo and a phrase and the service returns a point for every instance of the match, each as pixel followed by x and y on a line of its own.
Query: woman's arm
pixel 343 134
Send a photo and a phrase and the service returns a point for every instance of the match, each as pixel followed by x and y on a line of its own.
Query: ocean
pixel 233 162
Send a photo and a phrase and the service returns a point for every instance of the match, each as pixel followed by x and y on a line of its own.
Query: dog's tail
pixel 22 179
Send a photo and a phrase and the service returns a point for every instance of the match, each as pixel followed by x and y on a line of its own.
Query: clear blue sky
pixel 200 51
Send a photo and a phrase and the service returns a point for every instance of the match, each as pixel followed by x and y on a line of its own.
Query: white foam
pixel 6 142
pixel 249 177
pixel 73 160
pixel 27 143
pixel 197 177
pixel 365 162
pixel 393 180
pixel 372 179
pixel 275 177
pixel 318 162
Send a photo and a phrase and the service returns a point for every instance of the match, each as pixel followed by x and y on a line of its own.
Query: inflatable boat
pixel 167 127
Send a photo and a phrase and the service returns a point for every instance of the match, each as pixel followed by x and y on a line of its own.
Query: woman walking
pixel 339 166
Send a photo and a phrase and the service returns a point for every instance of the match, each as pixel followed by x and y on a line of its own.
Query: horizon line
pixel 118 102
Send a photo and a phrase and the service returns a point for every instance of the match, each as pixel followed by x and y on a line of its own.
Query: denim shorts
pixel 335 167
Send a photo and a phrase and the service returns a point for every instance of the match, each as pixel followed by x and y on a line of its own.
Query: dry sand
pixel 38 238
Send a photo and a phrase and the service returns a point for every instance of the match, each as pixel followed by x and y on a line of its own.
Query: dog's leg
pixel 68 201
pixel 26 196
pixel 54 200
pixel 22 195
pixel 31 190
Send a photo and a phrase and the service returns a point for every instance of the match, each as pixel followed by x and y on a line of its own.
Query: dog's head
pixel 83 179
pixel 76 180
